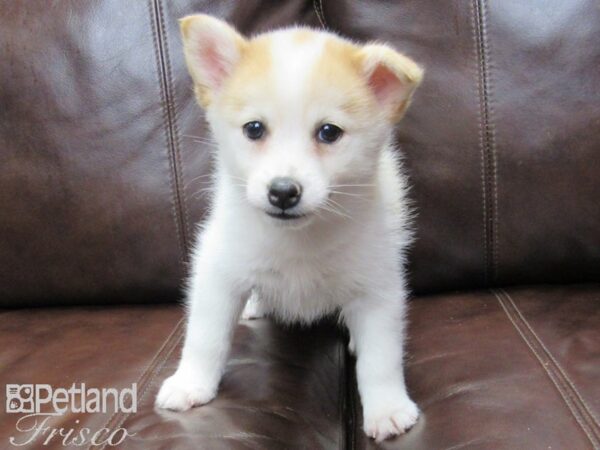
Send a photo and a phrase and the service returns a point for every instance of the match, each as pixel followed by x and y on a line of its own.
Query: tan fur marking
pixel 253 68
pixel 340 66
pixel 303 36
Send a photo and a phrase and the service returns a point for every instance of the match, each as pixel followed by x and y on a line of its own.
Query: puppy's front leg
pixel 214 307
pixel 376 325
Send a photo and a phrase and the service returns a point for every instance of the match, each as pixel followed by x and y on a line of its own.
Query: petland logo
pixel 41 402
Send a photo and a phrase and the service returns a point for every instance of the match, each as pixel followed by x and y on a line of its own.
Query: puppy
pixel 309 210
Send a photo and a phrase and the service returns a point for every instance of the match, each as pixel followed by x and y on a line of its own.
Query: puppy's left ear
pixel 391 76
pixel 212 49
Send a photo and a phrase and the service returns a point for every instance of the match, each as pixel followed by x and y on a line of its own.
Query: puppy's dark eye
pixel 329 133
pixel 254 130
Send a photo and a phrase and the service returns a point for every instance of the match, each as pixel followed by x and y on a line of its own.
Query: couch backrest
pixel 102 175
pixel 503 139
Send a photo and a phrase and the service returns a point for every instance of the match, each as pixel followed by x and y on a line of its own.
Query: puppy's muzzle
pixel 284 192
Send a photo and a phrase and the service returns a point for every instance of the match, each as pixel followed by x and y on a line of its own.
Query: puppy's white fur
pixel 347 251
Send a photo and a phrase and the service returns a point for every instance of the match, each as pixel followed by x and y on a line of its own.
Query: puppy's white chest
pixel 300 291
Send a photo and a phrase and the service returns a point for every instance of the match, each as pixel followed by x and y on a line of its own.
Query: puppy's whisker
pixel 324 217
pixel 330 208
pixel 205 141
pixel 339 209
pixel 188 184
pixel 327 209
pixel 203 192
pixel 351 185
pixel 202 176
pixel 316 213
pixel 201 138
pixel 336 212
pixel 209 144
pixel 198 179
pixel 349 194
pixel 332 201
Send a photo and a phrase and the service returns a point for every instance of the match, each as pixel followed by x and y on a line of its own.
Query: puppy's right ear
pixel 391 76
pixel 212 49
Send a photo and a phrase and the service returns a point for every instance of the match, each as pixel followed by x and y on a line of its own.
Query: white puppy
pixel 308 211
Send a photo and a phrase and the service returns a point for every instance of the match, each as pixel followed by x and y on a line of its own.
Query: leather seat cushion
pixel 281 385
pixel 503 369
pixel 497 369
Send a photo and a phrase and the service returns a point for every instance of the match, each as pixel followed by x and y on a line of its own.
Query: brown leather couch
pixel 102 176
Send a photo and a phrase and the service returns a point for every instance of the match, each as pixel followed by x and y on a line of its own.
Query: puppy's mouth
pixel 282 215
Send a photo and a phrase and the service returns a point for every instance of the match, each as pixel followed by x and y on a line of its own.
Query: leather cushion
pixel 282 386
pixel 498 369
pixel 502 369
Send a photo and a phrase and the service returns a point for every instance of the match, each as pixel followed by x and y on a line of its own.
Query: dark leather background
pixel 502 140
pixel 102 182
pixel 102 178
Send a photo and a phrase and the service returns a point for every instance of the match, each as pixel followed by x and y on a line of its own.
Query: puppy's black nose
pixel 284 192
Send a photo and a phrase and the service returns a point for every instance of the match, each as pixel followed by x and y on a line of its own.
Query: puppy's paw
pixel 179 393
pixel 390 420
pixel 254 308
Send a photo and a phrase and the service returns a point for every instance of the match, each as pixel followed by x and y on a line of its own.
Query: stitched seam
pixel 490 143
pixel 550 371
pixel 486 141
pixel 148 374
pixel 318 7
pixel 474 7
pixel 170 136
pixel 165 120
pixel 566 378
pixel 179 175
pixel 158 367
pixel 493 149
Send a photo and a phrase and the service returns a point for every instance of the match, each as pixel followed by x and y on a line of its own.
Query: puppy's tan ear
pixel 212 49
pixel 391 76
